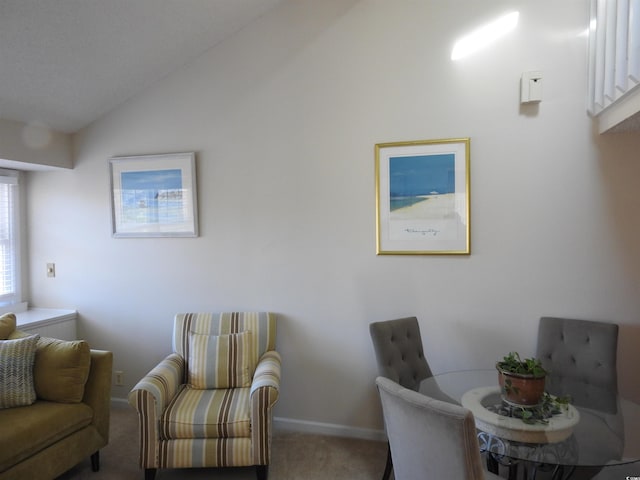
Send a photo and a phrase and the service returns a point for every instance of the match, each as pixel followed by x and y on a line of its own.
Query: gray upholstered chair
pixel 398 348
pixel 580 356
pixel 429 438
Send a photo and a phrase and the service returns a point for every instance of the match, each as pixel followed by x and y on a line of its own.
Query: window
pixel 9 238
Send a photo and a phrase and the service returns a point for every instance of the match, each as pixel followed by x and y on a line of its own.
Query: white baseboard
pixel 317 428
pixel 119 401
pixel 332 429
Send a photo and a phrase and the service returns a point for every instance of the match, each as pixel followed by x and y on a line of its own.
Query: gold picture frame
pixel 422 197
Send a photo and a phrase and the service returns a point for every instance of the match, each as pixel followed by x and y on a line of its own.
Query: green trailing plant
pixel 512 363
pixel 541 413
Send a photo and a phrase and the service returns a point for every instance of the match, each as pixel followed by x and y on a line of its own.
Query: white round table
pixel 556 429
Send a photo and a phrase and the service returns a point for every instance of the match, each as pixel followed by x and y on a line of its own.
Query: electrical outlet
pixel 119 378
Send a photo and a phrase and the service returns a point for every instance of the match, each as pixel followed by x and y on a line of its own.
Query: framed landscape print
pixel 154 196
pixel 422 197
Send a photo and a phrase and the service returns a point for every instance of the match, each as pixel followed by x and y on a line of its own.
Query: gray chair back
pixel 398 348
pixel 581 358
pixel 429 438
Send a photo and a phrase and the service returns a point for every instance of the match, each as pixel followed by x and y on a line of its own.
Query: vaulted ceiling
pixel 65 63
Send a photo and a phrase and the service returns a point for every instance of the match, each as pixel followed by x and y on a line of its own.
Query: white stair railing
pixel 614 57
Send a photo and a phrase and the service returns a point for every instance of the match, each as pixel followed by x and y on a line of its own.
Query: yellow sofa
pixel 46 438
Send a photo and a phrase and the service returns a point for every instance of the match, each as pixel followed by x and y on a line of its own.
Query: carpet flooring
pixel 296 456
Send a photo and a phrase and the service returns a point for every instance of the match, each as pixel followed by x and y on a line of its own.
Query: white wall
pixel 284 118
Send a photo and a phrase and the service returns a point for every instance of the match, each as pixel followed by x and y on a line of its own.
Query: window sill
pixel 38 317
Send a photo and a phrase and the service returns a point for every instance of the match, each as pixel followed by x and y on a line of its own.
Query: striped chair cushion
pixel 16 371
pixel 220 361
pixel 206 452
pixel 261 324
pixel 220 413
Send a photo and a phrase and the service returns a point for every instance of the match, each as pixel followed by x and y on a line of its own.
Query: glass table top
pixel 597 428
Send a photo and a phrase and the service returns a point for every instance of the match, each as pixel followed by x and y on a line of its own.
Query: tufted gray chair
pixel 430 439
pixel 580 356
pixel 398 348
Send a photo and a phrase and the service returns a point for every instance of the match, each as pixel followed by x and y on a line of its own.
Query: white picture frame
pixel 154 196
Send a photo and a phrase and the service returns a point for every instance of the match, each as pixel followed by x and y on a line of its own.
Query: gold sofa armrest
pixel 97 390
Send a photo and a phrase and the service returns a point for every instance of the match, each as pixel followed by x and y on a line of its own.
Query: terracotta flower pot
pixel 521 389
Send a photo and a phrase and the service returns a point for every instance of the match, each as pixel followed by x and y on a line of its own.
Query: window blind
pixel 9 238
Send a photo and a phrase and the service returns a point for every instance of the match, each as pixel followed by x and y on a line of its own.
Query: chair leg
pixel 492 463
pixel 95 461
pixel 149 473
pixel 389 466
pixel 262 471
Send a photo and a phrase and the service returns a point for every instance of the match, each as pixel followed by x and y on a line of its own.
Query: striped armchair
pixel 209 403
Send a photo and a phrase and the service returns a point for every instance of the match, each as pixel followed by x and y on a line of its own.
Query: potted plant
pixel 521 381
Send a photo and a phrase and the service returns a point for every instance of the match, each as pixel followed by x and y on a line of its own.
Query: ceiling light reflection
pixel 484 35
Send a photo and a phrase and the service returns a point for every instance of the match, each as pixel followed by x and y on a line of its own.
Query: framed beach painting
pixel 422 197
pixel 154 196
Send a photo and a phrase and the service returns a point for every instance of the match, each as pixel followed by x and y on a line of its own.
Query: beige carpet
pixel 296 456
